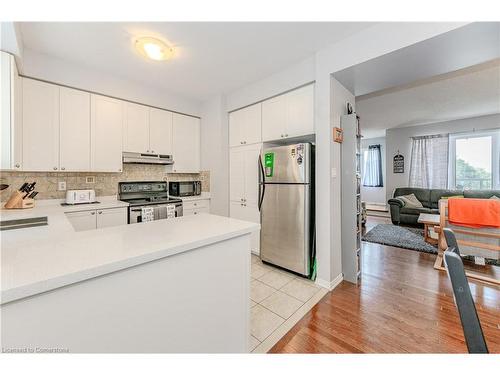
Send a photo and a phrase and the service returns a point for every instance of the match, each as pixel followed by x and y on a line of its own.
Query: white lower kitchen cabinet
pixel 111 217
pixel 195 207
pixel 243 211
pixel 93 219
pixel 186 144
pixel 82 220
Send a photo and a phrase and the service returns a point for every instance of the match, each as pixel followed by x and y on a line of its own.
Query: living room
pixel 430 119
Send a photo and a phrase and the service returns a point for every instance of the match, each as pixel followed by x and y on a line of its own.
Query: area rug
pixel 408 238
pixel 405 237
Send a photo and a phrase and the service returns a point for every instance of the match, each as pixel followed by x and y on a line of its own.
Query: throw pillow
pixel 494 197
pixel 453 196
pixel 411 201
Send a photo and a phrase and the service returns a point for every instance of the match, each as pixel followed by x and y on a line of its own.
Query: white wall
pixel 374 194
pixel 370 43
pixel 55 70
pixel 290 78
pixel 214 152
pixel 400 139
pixel 10 41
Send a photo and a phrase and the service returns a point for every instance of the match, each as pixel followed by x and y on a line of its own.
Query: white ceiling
pixel 469 92
pixel 212 58
pixel 460 48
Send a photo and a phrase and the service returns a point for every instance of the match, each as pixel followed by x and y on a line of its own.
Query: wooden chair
pixel 476 241
pixel 471 325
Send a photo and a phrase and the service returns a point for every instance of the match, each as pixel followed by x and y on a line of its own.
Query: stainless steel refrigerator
pixel 287 206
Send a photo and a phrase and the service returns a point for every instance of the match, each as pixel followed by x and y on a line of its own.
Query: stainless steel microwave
pixel 184 188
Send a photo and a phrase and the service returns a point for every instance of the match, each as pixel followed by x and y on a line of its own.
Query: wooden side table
pixel 429 221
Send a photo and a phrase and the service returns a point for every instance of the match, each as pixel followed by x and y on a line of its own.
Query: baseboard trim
pixel 330 285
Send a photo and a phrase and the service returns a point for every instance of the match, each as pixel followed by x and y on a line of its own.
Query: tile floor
pixel 275 296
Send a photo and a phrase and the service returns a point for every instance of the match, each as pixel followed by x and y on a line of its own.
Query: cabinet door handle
pixel 153 151
pixel 17 165
pixel 62 168
pixel 55 168
pixel 99 212
pixel 286 135
pixel 92 213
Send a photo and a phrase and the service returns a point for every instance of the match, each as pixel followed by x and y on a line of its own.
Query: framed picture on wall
pixel 338 135
pixel 398 163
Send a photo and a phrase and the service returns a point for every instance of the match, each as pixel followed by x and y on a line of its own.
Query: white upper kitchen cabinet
pixel 74 133
pixel 10 113
pixel 40 135
pixel 136 128
pixel 274 118
pixel 106 133
pixel 300 111
pixel 186 144
pixel 245 126
pixel 289 115
pixel 160 131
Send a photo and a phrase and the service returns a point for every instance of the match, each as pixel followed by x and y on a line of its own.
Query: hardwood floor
pixel 403 305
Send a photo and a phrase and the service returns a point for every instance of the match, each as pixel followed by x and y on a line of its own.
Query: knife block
pixel 16 201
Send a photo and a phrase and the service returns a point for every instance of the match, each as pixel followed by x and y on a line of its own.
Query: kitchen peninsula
pixel 175 285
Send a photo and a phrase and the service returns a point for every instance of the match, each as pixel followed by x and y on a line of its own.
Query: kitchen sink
pixel 23 223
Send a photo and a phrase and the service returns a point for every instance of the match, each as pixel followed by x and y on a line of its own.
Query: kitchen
pixel 82 170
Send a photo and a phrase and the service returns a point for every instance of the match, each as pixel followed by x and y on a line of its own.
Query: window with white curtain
pixel 475 160
pixel 372 167
pixel 429 162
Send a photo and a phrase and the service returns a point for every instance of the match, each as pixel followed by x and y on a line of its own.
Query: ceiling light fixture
pixel 154 48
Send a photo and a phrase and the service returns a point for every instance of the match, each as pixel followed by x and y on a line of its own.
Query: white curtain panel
pixel 429 162
pixel 372 171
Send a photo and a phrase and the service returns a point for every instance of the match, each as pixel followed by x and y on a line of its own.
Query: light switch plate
pixel 61 186
pixel 90 180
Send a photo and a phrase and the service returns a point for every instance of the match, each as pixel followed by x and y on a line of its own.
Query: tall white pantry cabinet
pixel 273 120
pixel 245 146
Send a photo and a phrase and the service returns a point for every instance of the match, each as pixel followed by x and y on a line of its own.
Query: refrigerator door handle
pixel 262 185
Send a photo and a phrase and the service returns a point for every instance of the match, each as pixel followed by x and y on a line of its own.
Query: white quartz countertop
pixel 39 259
pixel 204 195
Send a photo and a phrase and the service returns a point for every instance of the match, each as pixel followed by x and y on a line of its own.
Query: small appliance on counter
pixel 148 201
pixel 74 197
pixel 24 197
pixel 184 188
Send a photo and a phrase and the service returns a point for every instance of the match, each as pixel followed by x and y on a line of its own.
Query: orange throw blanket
pixel 474 213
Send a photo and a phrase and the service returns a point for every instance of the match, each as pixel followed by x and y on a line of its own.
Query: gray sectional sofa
pixel 430 200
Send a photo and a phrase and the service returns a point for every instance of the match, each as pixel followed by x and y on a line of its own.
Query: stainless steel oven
pixel 160 211
pixel 184 188
pixel 149 200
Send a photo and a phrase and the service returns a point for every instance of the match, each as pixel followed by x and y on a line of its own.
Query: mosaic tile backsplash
pixel 105 183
